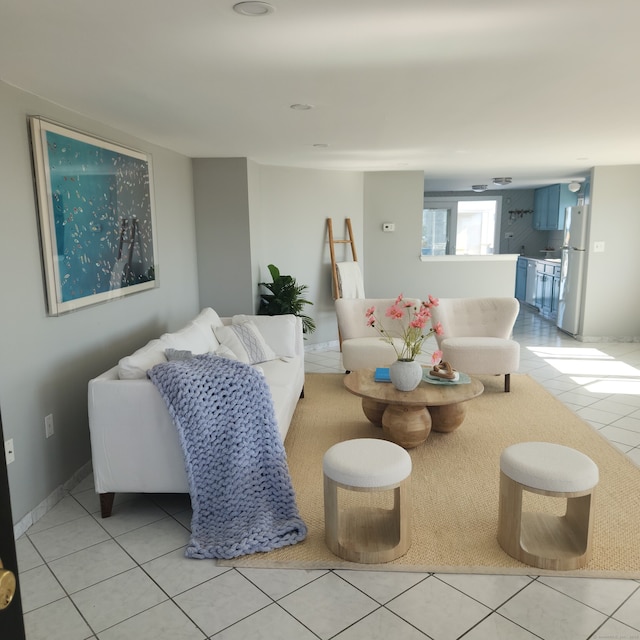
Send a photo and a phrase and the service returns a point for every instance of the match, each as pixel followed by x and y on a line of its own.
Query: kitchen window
pixel 461 226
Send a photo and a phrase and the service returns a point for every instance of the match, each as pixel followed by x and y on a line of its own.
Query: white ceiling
pixel 464 90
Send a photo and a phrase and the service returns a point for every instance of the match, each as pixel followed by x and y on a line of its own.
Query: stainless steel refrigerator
pixel 573 269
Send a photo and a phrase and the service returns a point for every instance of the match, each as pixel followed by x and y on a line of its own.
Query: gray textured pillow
pixel 246 342
pixel 178 354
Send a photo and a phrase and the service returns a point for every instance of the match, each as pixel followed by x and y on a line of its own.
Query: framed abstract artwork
pixel 96 212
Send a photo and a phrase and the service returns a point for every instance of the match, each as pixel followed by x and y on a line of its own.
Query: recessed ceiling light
pixel 502 181
pixel 479 188
pixel 301 106
pixel 253 8
pixel 574 186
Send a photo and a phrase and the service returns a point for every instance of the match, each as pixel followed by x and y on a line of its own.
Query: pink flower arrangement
pixel 413 320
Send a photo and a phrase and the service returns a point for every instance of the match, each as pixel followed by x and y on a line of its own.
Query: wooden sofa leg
pixel 507 382
pixel 106 504
pixel 302 393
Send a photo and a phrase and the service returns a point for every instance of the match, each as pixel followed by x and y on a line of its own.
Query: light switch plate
pixel 9 451
pixel 48 426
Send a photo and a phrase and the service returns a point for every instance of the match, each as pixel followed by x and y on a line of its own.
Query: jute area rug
pixel 455 481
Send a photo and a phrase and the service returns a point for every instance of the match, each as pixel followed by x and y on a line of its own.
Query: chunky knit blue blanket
pixel 241 493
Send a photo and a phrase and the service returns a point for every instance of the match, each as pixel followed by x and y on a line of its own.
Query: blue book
pixel 382 375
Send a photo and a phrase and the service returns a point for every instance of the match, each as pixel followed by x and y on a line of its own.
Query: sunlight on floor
pixel 572 352
pixel 588 366
pixel 624 386
pixel 594 367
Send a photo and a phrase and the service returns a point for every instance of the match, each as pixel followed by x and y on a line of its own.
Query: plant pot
pixel 405 374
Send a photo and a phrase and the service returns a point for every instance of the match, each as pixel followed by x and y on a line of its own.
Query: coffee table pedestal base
pixel 448 417
pixel 410 424
pixel 405 425
pixel 373 410
pixel 408 417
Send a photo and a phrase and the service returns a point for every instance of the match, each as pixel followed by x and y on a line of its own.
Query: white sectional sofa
pixel 135 446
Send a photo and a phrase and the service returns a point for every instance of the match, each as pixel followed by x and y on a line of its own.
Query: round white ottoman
pixel 539 538
pixel 364 532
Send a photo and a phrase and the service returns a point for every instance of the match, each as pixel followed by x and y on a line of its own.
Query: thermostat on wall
pixel 388 226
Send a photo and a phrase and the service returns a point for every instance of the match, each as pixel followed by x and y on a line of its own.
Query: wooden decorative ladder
pixel 332 243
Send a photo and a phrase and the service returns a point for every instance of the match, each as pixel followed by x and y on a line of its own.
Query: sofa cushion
pixel 192 338
pixel 139 362
pixel 224 352
pixel 279 332
pixel 208 320
pixel 246 342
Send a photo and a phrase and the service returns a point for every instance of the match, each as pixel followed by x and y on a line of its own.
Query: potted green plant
pixel 285 297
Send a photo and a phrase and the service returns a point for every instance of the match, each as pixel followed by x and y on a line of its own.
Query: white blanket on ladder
pixel 350 280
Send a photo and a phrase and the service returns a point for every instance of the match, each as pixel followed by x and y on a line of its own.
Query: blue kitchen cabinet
pixel 521 279
pixel 549 204
pixel 540 208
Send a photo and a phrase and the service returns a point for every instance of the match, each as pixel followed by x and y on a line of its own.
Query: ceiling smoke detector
pixel 479 188
pixel 574 186
pixel 253 8
pixel 502 182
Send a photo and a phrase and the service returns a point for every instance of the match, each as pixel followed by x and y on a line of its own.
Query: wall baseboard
pixel 608 339
pixel 52 500
pixel 322 346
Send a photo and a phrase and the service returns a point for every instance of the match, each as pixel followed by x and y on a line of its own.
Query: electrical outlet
pixel 48 425
pixel 598 247
pixel 508 235
pixel 9 451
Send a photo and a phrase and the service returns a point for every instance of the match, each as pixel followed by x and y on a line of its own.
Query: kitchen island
pixel 538 284
pixel 458 276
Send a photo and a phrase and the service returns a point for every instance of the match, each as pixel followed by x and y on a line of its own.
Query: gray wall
pixel 46 362
pixel 290 225
pixel 223 240
pixel 394 266
pixel 393 263
pixel 250 216
pixel 612 293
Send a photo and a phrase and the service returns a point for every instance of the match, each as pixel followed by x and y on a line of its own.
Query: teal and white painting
pixel 96 217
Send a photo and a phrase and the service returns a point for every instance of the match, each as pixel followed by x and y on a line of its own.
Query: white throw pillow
pixel 208 320
pixel 279 332
pixel 246 342
pixel 225 352
pixel 136 365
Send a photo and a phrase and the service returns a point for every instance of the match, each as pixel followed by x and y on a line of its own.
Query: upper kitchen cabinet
pixel 549 204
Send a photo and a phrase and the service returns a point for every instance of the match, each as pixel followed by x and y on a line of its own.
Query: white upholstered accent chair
pixel 361 345
pixel 476 335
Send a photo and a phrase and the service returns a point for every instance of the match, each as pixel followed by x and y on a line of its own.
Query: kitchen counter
pixel 457 276
pixel 537 259
pixel 538 284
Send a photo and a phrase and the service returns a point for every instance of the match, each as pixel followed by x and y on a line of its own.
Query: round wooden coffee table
pixel 407 417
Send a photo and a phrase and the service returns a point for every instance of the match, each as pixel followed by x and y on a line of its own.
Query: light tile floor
pixel 125 578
